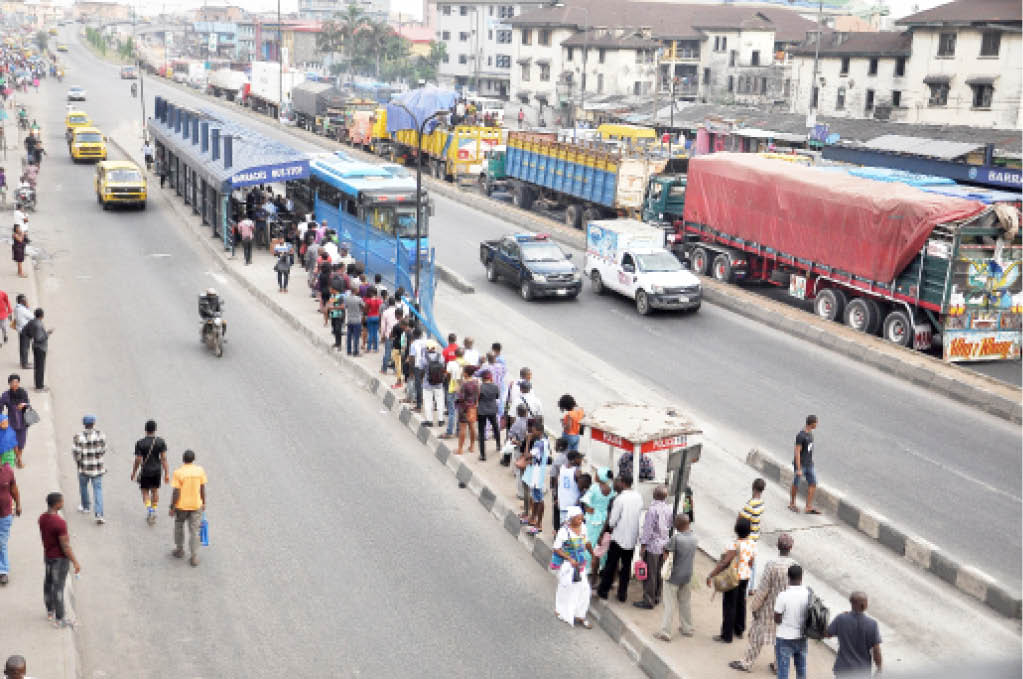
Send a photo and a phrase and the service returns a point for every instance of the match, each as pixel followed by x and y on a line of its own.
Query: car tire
pixel 830 304
pixel 492 274
pixel 694 309
pixel 596 284
pixel 573 216
pixel 898 328
pixel 642 303
pixel 699 262
pixel 723 269
pixel 526 291
pixel 143 206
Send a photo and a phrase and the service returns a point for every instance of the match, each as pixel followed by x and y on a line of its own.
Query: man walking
pixel 773 582
pixel 89 448
pixel 859 640
pixel 802 465
pixel 58 558
pixel 752 510
pixel 790 616
pixel 653 539
pixel 624 525
pixel 150 460
pixel 354 307
pixel 246 228
pixel 10 506
pixel 187 505
pixel 434 387
pixel 40 337
pixel 677 590
pixel 22 316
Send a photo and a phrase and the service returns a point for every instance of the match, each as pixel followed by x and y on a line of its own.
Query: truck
pixel 269 85
pixel 315 103
pixel 918 267
pixel 453 153
pixel 227 83
pixel 591 180
pixel 367 129
pixel 534 264
pixel 629 257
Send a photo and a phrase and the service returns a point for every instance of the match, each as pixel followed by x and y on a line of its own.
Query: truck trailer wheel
pixel 862 314
pixel 596 284
pixel 590 214
pixel 642 303
pixel 698 261
pixel 830 304
pixel 898 328
pixel 522 197
pixel 492 274
pixel 723 269
pixel 573 216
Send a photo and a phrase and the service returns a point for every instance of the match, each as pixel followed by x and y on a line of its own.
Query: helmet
pixel 210 292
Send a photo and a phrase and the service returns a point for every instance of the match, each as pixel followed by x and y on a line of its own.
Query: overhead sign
pixel 268 174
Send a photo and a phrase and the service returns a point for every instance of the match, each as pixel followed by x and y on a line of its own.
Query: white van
pixel 628 257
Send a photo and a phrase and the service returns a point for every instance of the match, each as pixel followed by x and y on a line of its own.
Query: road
pixel 941 470
pixel 340 547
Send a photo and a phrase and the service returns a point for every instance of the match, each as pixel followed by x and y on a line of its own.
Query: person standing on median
pixel 89 447
pixel 188 505
pixel 624 525
pixel 22 315
pixel 40 337
pixel 58 559
pixel 354 306
pixel 802 465
pixel 752 510
pixel 433 387
pixel 859 640
pixel 653 538
pixel 678 588
pixel 773 582
pixel 733 602
pixel 246 229
pixel 790 616
pixel 15 402
pixel 150 460
pixel 10 506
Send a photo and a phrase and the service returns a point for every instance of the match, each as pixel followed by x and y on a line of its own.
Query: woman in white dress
pixel 572 599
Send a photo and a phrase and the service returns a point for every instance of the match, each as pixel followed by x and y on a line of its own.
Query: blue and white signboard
pixel 269 174
pixel 998 176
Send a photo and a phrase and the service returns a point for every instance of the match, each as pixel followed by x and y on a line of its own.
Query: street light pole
pixel 280 64
pixel 814 95
pixel 139 67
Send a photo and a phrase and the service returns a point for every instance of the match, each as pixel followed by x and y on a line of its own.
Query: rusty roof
pixel 968 12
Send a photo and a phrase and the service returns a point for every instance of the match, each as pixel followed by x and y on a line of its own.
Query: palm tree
pixel 438 51
pixel 376 36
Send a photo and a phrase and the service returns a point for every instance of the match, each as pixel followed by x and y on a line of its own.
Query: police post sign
pixel 269 174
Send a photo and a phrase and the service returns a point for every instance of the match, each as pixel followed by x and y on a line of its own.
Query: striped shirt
pixel 89 447
pixel 752 511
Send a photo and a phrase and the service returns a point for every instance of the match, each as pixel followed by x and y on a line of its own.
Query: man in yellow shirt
pixel 187 505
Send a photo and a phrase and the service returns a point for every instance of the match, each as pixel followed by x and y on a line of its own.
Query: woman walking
pixel 15 401
pixel 373 304
pixel 596 503
pixel 733 602
pixel 487 413
pixel 18 243
pixel 467 401
pixel 570 549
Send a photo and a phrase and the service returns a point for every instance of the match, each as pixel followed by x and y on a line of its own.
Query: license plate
pixel 683 300
pixel 562 291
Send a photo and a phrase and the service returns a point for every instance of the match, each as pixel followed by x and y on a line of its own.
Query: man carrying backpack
pixel 433 387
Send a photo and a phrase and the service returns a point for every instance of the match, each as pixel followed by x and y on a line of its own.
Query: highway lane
pixel 939 469
pixel 340 547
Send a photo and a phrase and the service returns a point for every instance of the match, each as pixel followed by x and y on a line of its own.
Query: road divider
pixel 453 279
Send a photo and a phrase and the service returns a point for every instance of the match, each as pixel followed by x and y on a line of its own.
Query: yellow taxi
pixel 87 143
pixel 75 119
pixel 120 182
pixel 61 47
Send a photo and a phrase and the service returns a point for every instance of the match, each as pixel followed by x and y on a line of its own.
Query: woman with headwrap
pixel 596 502
pixel 572 599
pixel 14 401
pixel 8 442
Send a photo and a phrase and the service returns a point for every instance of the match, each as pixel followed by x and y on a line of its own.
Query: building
pixel 419 38
pixel 378 10
pixel 478 37
pixel 965 64
pixel 297 38
pixel 859 75
pixel 219 13
pixel 620 61
pixel 98 11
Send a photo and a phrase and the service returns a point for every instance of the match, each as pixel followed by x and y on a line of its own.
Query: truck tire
pixel 898 328
pixel 596 284
pixel 877 314
pixel 642 303
pixel 723 269
pixel 485 186
pixel 590 214
pixel 573 216
pixel 492 274
pixel 699 261
pixel 522 197
pixel 861 315
pixel 526 290
pixel 830 304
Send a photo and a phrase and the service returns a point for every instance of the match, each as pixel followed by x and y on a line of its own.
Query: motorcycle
pixel 25 198
pixel 213 334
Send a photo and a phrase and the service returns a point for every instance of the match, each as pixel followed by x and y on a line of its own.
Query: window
pixel 545 72
pixel 637 87
pixel 491 8
pixel 845 66
pixel 582 82
pixel 990 43
pixel 463 36
pixel 601 53
pixel 872 69
pixel 939 94
pixel 525 73
pixel 490 61
pixel 464 10
pixel 840 99
pixel 706 76
pixel 462 59
pixel 527 36
pixel 600 83
pixel 731 58
pixel 490 35
pixel 504 37
pixel 900 67
pixel 947 45
pixel 506 11
pixel 731 84
pixel 982 95
pixel 502 61
pixel 544 39
pixel 754 58
pixel 720 43
pixel 445 10
pixel 568 54
pixel 446 35
pixel 896 98
pixel 763 85
pixel 787 88
pixel 869 104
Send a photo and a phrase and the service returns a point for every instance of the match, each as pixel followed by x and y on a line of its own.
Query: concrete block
pixel 919 551
pixel 464 474
pixel 653 664
pixel 869 525
pixel 542 553
pixel 390 399
pixel 423 434
pixel 848 513
pixel 442 452
pixel 944 567
pixel 827 500
pixel 922 377
pixel 512 524
pixel 454 280
pixel 974 582
pixel 611 624
pixel 892 538
pixel 404 415
pixel 487 497
pixel 1008 605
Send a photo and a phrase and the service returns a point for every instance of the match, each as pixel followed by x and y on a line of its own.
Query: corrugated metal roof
pixel 919 146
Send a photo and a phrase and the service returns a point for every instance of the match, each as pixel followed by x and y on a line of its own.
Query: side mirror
pixel 568 255
pixel 629 268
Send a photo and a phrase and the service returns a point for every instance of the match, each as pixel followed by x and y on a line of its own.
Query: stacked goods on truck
pixel 456 154
pixel 590 179
pixel 318 106
pixel 227 83
pixel 268 85
pixel 915 266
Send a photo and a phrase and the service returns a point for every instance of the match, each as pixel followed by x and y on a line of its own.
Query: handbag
pixel 640 570
pixel 30 416
pixel 728 579
pixel 522 462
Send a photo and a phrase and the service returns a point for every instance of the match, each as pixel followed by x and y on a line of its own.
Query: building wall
pixel 856 83
pixel 378 10
pixel 98 11
pixel 964 65
pixel 527 78
pixel 618 75
pixel 727 57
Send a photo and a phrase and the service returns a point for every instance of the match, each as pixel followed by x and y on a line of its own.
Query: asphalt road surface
pixel 340 548
pixel 939 469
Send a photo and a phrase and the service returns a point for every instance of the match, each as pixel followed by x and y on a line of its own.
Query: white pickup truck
pixel 628 257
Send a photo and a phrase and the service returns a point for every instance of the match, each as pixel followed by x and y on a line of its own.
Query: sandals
pixel 812 511
pixel 793 508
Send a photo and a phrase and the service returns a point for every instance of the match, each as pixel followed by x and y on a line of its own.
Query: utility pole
pixel 280 64
pixel 814 93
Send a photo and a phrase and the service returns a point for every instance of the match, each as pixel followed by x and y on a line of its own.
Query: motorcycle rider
pixel 210 307
pixel 22 118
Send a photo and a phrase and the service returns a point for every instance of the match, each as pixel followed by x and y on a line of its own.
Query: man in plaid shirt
pixel 89 448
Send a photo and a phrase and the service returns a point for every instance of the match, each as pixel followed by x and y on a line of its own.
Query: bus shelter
pixel 206 158
pixel 669 437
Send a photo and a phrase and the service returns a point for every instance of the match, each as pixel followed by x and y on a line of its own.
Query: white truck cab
pixel 629 257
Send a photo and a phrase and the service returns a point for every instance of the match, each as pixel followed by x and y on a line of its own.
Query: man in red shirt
pixel 58 557
pixel 10 506
pixel 449 351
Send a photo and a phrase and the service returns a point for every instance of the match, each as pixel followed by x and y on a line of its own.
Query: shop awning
pixel 981 80
pixel 937 79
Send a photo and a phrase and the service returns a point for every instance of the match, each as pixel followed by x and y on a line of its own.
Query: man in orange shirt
pixel 187 505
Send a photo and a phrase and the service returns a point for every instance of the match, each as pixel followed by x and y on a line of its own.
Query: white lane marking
pixel 218 277
pixel 966 477
pixel 158 254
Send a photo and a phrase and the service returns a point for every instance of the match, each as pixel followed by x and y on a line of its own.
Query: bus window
pixel 351 208
pixel 407 223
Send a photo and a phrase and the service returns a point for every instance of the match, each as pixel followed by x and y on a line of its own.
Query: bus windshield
pixel 398 221
pixel 124 176
pixel 88 137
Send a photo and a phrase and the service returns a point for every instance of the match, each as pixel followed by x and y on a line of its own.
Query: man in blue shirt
pixel 859 640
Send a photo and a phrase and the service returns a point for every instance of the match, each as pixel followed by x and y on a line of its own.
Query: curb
pixel 453 279
pixel 916 550
pixel 972 389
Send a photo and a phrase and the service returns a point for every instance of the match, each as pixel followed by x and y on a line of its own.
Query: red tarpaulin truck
pixel 884 258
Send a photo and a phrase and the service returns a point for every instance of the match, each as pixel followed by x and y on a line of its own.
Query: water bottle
pixel 204 531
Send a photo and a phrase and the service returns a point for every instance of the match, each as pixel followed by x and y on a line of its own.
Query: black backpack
pixel 817 617
pixel 435 370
